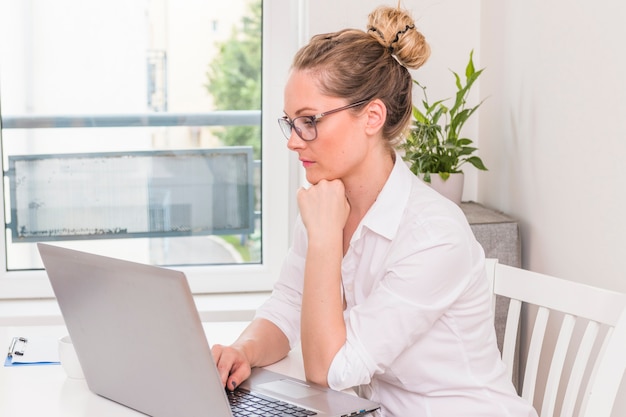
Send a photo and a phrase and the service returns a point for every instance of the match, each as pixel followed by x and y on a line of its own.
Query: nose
pixel 295 142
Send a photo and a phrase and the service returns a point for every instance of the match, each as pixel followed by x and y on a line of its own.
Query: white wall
pixel 554 132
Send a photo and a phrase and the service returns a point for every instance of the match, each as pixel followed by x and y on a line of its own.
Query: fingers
pixel 222 367
pixel 232 365
pixel 324 206
pixel 237 376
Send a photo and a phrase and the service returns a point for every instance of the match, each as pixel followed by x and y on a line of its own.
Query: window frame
pixel 282 20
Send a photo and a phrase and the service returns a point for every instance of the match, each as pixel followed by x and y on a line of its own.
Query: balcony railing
pixel 215 118
pixel 23 213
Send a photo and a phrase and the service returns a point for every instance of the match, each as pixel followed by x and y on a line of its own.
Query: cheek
pixel 338 150
pixel 336 153
pixel 340 140
pixel 341 157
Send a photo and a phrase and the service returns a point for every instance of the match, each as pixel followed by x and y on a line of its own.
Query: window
pixel 120 135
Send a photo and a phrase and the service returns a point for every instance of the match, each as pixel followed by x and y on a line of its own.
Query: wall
pixel 553 131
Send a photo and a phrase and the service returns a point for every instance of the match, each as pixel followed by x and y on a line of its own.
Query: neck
pixel 362 189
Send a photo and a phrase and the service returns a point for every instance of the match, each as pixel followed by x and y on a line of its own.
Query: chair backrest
pixel 570 342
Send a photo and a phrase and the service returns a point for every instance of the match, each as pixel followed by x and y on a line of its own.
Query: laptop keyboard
pixel 247 404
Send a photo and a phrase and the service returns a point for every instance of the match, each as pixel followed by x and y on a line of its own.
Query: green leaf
pixel 469 70
pixel 467 150
pixel 477 162
pixel 419 116
pixel 435 144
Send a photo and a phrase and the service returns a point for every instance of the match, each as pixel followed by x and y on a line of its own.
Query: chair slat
pixel 510 336
pixel 608 373
pixel 534 354
pixel 578 368
pixel 556 365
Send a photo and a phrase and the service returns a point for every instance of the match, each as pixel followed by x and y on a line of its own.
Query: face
pixel 340 145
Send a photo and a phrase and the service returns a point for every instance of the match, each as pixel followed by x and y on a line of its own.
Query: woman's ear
pixel 376 116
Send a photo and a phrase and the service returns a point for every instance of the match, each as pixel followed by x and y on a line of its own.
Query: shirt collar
pixel 385 214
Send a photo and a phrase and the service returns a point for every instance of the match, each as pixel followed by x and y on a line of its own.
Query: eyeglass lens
pixel 303 125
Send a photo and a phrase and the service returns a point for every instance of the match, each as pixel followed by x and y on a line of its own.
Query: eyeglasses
pixel 305 126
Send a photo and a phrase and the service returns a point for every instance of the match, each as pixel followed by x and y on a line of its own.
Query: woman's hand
pixel 324 208
pixel 260 344
pixel 232 365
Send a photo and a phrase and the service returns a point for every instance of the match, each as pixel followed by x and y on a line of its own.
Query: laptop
pixel 138 336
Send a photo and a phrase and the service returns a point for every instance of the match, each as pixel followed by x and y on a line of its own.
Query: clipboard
pixel 28 352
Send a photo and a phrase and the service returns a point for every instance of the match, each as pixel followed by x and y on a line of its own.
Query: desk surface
pixel 45 390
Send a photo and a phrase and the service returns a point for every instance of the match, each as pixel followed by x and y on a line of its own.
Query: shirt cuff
pixel 351 366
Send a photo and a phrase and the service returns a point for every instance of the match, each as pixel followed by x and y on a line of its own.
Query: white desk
pixel 45 390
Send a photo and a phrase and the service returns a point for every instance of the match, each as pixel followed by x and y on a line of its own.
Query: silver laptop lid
pixel 135 334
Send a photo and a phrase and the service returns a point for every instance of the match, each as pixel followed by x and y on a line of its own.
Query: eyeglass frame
pixel 313 119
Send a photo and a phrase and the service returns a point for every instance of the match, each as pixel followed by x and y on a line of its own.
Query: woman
pixel 384 285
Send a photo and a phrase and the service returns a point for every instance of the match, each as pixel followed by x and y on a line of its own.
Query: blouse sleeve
pixel 284 305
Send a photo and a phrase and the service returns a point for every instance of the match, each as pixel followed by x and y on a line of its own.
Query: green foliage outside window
pixel 234 78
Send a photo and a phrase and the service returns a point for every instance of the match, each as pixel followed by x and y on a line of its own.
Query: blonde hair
pixel 364 65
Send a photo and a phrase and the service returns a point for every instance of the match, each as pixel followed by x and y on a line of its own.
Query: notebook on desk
pixel 140 342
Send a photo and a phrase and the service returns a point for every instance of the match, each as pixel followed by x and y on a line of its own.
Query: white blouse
pixel 420 333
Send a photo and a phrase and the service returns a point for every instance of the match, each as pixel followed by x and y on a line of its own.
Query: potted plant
pixel 435 145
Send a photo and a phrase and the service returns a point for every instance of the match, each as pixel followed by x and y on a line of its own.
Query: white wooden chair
pixel 573 358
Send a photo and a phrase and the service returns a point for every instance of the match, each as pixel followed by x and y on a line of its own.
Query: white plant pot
pixel 452 188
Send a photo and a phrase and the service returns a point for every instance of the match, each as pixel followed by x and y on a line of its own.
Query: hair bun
pixel 395 29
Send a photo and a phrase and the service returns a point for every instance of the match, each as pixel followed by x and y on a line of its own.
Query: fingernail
pixel 234 384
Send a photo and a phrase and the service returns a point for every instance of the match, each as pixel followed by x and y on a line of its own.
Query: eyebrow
pixel 299 112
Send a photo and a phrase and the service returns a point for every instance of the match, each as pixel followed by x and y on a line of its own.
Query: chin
pixel 317 178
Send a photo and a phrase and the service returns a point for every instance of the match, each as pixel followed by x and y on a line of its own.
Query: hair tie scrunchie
pixel 378 32
pixel 400 32
pixel 391 48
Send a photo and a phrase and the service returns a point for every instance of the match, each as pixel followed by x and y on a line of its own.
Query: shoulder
pixel 430 219
pixel 416 206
